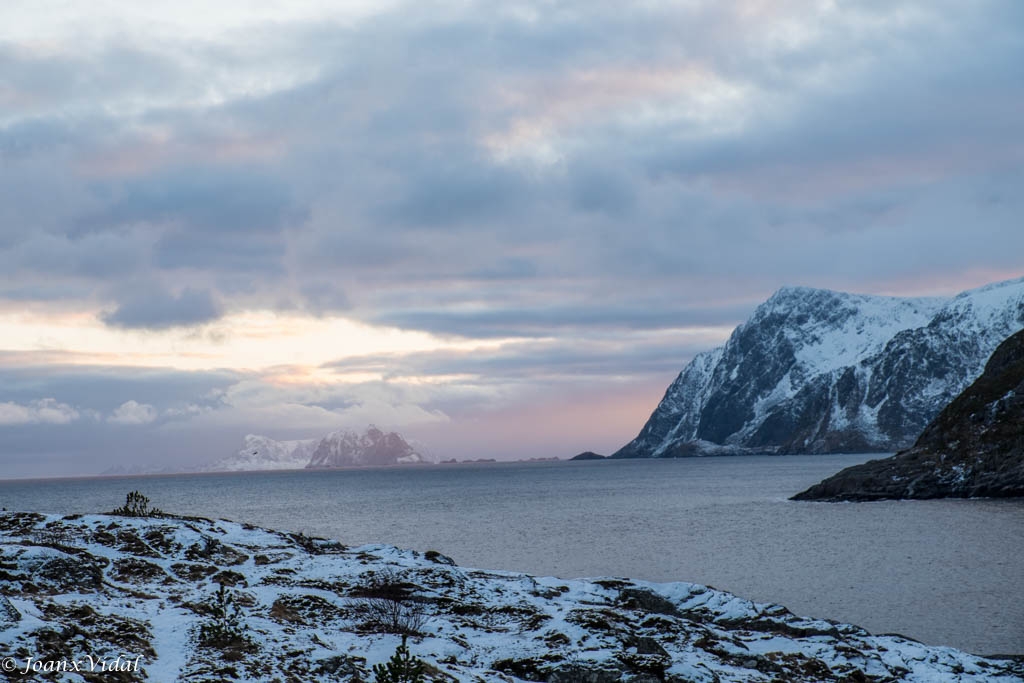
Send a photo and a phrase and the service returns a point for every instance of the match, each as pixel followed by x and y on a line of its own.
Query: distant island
pixel 974 448
pixel 588 455
pixel 453 461
pixel 342 448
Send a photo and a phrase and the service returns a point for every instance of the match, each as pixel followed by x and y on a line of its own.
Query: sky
pixel 499 228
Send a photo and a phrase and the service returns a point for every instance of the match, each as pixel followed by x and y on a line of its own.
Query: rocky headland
pixel 974 448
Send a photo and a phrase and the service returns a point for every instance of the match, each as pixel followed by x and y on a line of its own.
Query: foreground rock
pixel 974 448
pixel 300 609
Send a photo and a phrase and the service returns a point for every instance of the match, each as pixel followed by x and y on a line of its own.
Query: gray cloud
pixel 543 362
pixel 159 309
pixel 227 199
pixel 543 320
pixel 381 145
pixel 102 389
pixel 323 297
pixel 574 176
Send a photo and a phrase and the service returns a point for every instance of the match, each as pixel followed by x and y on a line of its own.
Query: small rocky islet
pixel 200 600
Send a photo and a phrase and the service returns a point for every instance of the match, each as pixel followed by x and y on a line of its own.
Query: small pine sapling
pixel 401 668
pixel 225 628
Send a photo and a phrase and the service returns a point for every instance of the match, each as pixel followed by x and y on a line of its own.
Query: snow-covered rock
pixel 263 453
pixel 306 609
pixel 372 447
pixel 816 371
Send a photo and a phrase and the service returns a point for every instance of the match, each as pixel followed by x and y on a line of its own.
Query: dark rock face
pixel 814 371
pixel 974 448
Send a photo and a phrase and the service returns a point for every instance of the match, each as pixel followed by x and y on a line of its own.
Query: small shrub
pixel 137 505
pixel 387 605
pixel 401 668
pixel 386 615
pixel 225 629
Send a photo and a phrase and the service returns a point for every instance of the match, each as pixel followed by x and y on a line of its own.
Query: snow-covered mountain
pixel 372 447
pixel 263 453
pixel 816 371
pixel 342 448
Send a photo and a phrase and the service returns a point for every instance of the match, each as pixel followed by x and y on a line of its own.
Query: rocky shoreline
pixel 974 448
pixel 199 600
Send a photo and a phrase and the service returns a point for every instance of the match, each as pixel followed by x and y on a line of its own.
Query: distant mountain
pixel 343 448
pixel 816 371
pixel 974 448
pixel 372 447
pixel 263 453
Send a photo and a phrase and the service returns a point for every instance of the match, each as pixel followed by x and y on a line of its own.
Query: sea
pixel 945 572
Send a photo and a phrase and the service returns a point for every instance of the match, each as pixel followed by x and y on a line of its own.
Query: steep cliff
pixel 816 371
pixel 975 447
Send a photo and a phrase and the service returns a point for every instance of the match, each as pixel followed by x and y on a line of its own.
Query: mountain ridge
pixel 340 448
pixel 345 448
pixel 818 371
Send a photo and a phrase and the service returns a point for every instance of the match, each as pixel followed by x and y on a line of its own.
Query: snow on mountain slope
pixel 820 371
pixel 372 447
pixel 262 453
pixel 343 448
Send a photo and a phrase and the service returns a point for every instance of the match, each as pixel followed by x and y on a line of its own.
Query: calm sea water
pixel 944 572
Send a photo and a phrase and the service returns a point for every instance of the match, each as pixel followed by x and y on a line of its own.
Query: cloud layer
pixel 587 188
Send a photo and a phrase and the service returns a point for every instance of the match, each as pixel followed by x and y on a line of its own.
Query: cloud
pixel 159 309
pixel 133 413
pixel 540 320
pixel 579 184
pixel 722 146
pixel 204 197
pixel 102 389
pixel 42 411
pixel 323 296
